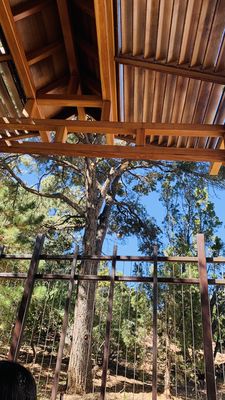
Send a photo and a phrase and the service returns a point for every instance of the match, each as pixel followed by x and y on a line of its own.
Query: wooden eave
pixel 156 67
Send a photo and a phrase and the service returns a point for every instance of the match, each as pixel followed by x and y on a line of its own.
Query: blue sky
pixel 129 246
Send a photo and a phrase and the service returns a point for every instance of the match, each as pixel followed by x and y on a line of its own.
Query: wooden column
pixel 25 302
pixel 206 320
pixel 64 328
pixel 108 327
pixel 155 309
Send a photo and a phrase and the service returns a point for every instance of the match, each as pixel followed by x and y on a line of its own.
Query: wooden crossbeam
pixel 170 69
pixel 106 50
pixel 117 128
pixel 125 152
pixel 34 57
pixel 24 10
pixel 69 100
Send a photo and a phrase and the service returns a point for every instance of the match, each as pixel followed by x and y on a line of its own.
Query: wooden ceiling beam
pixel 31 7
pixel 34 57
pixel 69 100
pixel 117 128
pixel 106 50
pixel 124 152
pixel 140 62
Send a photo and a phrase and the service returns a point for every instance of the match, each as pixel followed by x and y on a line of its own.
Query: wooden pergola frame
pixel 135 132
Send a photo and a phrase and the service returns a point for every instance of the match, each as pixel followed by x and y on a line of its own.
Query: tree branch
pixel 58 195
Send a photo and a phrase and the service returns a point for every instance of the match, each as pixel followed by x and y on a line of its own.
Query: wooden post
pixel 25 302
pixel 206 320
pixel 155 307
pixel 64 327
pixel 108 326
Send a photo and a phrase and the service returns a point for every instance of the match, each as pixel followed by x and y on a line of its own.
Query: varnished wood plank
pixel 126 152
pixel 106 51
pixel 69 100
pixel 28 8
pixel 34 57
pixel 118 128
pixel 171 69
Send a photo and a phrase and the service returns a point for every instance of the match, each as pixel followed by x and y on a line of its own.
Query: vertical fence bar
pixel 18 330
pixel 108 327
pixel 64 327
pixel 155 309
pixel 1 250
pixel 206 320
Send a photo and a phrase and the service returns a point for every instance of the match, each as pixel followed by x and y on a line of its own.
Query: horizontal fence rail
pixel 163 290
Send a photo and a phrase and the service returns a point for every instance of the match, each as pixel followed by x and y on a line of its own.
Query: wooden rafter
pixel 171 69
pixel 106 50
pixel 31 7
pixel 16 49
pixel 35 56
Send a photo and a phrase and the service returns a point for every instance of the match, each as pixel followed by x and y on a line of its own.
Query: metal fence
pixel 158 323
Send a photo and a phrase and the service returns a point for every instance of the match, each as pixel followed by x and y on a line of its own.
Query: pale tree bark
pixel 167 392
pixel 99 206
pixel 80 365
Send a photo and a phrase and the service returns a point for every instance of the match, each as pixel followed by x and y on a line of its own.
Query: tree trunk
pixel 80 365
pixel 167 392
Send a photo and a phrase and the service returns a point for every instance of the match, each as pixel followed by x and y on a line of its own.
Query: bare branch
pixel 57 195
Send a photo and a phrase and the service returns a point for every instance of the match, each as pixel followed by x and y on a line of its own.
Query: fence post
pixel 64 327
pixel 108 326
pixel 206 320
pixel 18 330
pixel 155 308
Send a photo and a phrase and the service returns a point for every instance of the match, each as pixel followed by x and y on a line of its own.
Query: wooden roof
pixel 143 62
